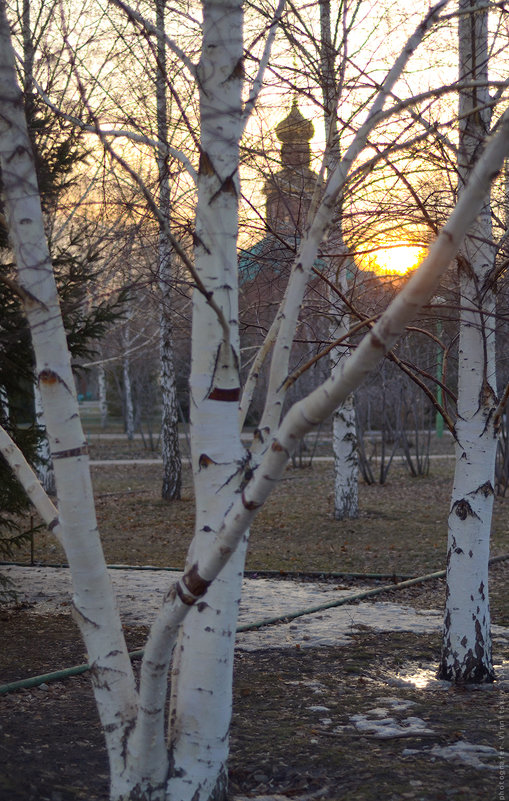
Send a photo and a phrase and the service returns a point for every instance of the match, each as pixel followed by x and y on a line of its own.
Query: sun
pixel 397 259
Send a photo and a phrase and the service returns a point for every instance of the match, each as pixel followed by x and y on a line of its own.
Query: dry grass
pixel 401 529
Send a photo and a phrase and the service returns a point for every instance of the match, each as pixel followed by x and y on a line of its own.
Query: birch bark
pixel 228 493
pixel 103 398
pixel 93 602
pixel 170 449
pixel 466 649
pixel 45 470
pixel 126 379
pixel 344 429
pixel 200 709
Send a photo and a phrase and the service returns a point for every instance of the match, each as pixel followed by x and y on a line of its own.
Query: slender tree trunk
pixel 45 471
pixel 344 428
pixel 466 650
pixel 103 398
pixel 128 397
pixel 170 448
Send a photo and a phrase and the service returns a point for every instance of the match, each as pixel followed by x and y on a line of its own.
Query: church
pixel 288 194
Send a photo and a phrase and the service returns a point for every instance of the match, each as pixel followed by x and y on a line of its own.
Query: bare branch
pixel 152 29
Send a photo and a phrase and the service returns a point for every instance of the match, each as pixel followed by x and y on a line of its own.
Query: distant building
pixel 288 195
pixel 264 267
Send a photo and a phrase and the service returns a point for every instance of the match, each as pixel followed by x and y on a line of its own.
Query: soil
pixel 292 732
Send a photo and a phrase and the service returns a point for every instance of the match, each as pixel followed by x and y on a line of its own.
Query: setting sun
pixel 396 260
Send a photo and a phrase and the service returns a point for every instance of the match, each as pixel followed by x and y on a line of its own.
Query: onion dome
pixel 295 128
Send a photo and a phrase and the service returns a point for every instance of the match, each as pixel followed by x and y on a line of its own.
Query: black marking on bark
pixel 49 377
pixel 206 528
pixel 249 505
pixel 481 591
pixel 194 582
pixel 54 523
pixel 278 448
pixel 462 509
pixel 238 70
pixel 171 594
pixel 201 606
pixel 459 551
pixel 228 186
pixel 186 599
pixel 205 461
pixel 299 267
pixel 376 342
pixel 486 489
pixel 464 266
pixel 471 553
pixel 488 395
pixel 84 619
pixel 226 395
pixel 71 452
pixel 260 433
pixel 20 150
pixel 205 167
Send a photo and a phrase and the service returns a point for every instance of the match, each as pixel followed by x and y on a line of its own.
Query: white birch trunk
pixel 201 700
pixel 93 602
pixel 346 461
pixel 466 649
pixel 170 448
pixel 228 493
pixel 344 428
pixel 128 395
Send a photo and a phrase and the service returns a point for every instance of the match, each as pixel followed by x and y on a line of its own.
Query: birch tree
pixel 344 429
pixel 172 463
pixel 466 650
pixel 199 611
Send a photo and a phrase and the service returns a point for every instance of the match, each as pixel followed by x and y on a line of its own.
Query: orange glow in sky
pixel 396 260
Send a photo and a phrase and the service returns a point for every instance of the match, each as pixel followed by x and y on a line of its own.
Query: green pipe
pixel 44 678
pixel 35 681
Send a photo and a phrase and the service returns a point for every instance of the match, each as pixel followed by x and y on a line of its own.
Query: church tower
pixel 290 190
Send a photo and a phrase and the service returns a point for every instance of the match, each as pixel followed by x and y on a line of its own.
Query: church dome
pixel 295 128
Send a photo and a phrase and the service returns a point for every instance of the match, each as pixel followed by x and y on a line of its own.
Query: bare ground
pixel 292 732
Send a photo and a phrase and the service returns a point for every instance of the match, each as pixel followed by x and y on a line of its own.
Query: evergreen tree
pixel 58 150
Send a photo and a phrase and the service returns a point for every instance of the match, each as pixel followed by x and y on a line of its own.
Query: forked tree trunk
pixel 466 650
pixel 228 492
